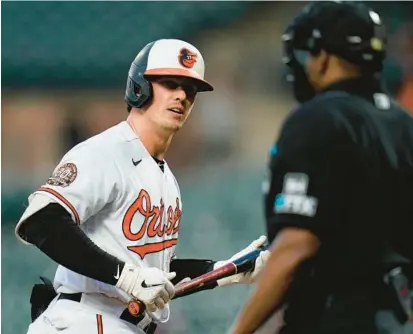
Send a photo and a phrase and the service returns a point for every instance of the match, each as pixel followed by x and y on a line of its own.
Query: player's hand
pixel 248 277
pixel 151 286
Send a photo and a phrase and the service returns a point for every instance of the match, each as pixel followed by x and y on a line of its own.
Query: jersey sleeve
pixel 83 183
pixel 36 203
pixel 304 172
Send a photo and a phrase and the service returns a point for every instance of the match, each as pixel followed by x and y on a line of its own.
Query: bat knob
pixel 135 308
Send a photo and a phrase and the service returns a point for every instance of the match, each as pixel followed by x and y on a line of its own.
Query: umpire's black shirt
pixel 342 168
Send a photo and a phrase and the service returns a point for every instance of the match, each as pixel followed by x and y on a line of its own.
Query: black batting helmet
pixel 164 57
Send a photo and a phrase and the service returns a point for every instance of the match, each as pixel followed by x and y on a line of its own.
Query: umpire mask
pixel 296 63
pixel 350 30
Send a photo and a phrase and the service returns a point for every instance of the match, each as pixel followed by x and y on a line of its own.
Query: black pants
pixel 380 308
pixel 384 322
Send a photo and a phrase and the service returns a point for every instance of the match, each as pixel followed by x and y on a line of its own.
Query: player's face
pixel 172 102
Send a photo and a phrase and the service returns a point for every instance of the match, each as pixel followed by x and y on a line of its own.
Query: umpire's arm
pixel 291 247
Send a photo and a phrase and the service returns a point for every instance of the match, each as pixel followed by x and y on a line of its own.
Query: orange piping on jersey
pixel 99 323
pixel 155 247
pixel 64 200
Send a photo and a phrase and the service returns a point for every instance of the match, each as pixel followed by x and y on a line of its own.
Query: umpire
pixel 338 205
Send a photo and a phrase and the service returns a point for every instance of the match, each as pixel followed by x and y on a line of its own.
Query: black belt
pixel 125 316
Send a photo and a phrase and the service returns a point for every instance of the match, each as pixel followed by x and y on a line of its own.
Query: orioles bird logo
pixel 187 58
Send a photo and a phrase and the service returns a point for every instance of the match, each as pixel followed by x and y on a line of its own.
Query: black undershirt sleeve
pixel 53 231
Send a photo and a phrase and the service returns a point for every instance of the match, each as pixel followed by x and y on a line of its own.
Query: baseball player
pixel 110 213
pixel 338 198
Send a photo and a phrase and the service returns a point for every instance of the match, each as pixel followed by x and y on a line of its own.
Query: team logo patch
pixel 63 176
pixel 187 58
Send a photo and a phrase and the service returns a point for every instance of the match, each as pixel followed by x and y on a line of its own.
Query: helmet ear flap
pixel 138 91
pixel 138 88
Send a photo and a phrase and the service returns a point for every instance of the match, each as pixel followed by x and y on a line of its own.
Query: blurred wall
pixel 64 70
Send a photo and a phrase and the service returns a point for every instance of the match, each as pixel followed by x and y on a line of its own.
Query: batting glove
pixel 151 286
pixel 250 276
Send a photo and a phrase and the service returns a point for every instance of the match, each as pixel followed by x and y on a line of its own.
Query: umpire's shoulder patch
pixel 63 175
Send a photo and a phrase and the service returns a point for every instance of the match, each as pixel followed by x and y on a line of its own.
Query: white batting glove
pixel 151 286
pixel 248 277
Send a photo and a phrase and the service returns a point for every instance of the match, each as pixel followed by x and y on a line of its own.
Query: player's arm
pixel 52 221
pixel 52 230
pixel 298 207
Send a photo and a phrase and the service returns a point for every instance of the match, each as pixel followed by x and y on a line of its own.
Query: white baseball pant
pixel 86 317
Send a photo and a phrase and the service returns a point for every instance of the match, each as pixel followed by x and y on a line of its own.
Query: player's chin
pixel 174 126
pixel 176 123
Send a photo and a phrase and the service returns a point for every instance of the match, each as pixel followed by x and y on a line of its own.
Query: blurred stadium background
pixel 64 67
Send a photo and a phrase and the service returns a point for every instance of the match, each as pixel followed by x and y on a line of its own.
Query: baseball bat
pixel 240 265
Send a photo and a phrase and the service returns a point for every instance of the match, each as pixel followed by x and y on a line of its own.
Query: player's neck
pixel 155 142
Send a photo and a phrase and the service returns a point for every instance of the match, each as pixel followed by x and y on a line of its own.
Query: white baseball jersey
pixel 118 195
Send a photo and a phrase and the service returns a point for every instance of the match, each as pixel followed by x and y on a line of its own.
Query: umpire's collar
pixel 361 86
